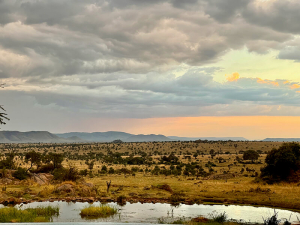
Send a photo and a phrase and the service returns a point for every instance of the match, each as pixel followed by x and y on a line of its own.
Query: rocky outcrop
pixel 42 178
pixel 67 188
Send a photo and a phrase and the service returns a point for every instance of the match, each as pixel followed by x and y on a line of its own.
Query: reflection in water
pixel 150 213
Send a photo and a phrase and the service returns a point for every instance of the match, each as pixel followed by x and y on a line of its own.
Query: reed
pixel 39 214
pixel 101 211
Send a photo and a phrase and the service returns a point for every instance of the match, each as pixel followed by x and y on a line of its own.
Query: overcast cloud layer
pixel 142 59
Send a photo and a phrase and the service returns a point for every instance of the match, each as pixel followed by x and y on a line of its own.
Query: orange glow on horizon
pixel 250 127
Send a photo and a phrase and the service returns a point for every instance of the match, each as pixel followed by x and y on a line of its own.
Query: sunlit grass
pixel 101 211
pixel 39 214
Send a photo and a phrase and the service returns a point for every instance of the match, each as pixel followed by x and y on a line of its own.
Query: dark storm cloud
pixel 75 37
pixel 278 15
pixel 119 58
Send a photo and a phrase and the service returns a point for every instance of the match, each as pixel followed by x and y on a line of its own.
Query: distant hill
pixel 207 138
pixel 33 137
pixel 47 137
pixel 98 136
pixel 283 139
pixel 115 135
pixel 145 138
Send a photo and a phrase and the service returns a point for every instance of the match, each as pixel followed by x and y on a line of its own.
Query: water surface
pixel 151 213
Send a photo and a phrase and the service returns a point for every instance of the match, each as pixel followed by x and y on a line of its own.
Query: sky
pixel 196 68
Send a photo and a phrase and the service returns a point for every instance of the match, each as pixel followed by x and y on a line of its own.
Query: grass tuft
pixel 101 211
pixel 39 214
pixel 219 217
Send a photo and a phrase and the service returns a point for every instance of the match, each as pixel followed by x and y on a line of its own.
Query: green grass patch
pixel 219 217
pixel 101 211
pixel 39 214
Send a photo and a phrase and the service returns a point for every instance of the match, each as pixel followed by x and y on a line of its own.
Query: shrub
pixel 20 174
pixel 282 162
pixel 8 162
pixel 83 172
pixel 250 155
pixel 111 170
pixel 66 174
pixel 47 168
pixel 104 169
pixel 219 217
pixel 176 197
pixel 121 200
pixel 273 220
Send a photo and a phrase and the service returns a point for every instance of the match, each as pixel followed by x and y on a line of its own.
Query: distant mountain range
pixel 115 135
pixel 126 137
pixel 283 139
pixel 47 137
pixel 207 138
pixel 34 137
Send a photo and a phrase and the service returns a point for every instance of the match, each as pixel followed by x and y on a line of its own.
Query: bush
pixel 20 174
pixel 121 200
pixel 64 174
pixel 250 155
pixel 282 162
pixel 219 217
pixel 273 220
pixel 83 172
pixel 111 170
pixel 47 168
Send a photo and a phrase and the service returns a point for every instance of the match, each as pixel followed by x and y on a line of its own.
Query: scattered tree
pixel 250 155
pixel 282 162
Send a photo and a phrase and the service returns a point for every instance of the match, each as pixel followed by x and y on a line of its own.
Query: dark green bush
pixel 47 168
pixel 83 172
pixel 64 174
pixel 281 162
pixel 20 174
pixel 111 170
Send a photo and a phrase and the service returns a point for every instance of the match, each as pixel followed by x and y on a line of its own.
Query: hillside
pixel 115 135
pixel 146 138
pixel 47 137
pixel 98 136
pixel 33 137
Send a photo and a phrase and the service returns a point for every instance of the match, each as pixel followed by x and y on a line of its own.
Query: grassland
pixel 228 178
pixel 39 214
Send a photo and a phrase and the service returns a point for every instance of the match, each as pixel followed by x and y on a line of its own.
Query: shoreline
pixel 16 201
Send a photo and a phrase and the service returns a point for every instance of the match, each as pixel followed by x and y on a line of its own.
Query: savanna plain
pixel 219 172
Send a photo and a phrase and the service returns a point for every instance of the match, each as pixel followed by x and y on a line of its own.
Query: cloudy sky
pixel 174 67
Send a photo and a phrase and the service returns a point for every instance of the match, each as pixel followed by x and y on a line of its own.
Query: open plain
pixel 190 172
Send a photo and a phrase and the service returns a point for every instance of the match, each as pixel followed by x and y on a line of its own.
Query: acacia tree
pixel 250 155
pixel 34 158
pixel 282 162
pixel 3 115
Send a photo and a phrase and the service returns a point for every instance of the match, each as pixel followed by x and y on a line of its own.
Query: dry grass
pixel 101 211
pixel 238 190
pixel 39 214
